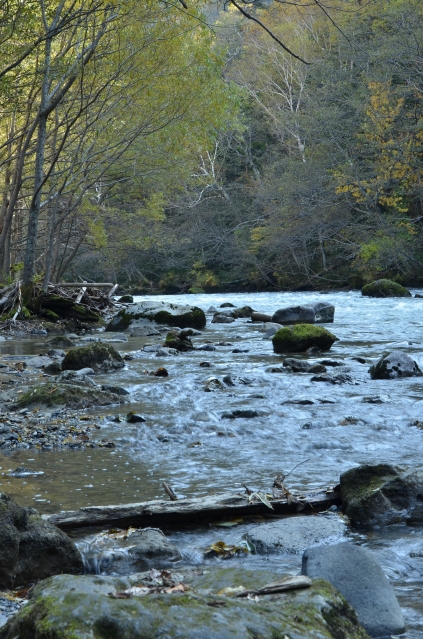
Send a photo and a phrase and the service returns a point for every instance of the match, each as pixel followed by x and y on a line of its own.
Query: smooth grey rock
pixel 143 331
pixel 76 377
pixel 261 317
pixel 222 319
pixel 297 365
pixel 150 545
pixel 358 576
pixel 165 352
pixel 117 390
pixel 395 364
pixel 294 315
pixel 295 534
pixel 211 310
pixel 151 348
pixel 324 312
pixel 269 329
pixel 206 347
pixel 381 494
pixel 38 362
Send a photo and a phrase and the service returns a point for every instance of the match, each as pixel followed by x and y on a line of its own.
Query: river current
pixel 186 443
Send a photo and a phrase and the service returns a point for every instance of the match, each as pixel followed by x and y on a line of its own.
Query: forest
pixel 190 147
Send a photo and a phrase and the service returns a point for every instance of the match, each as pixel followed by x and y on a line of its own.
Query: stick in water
pixel 169 491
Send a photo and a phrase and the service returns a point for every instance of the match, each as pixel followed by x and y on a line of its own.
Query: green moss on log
pixel 298 338
pixel 385 288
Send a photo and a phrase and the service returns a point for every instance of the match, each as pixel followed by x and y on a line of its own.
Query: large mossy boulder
pixel 385 288
pixel 394 365
pixel 159 312
pixel 31 548
pixel 298 338
pixel 98 356
pixel 70 607
pixel 381 494
pixel 70 395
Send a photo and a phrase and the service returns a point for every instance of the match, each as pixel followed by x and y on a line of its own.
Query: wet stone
pixel 295 534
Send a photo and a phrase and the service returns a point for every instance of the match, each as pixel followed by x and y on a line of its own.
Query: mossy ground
pixel 299 338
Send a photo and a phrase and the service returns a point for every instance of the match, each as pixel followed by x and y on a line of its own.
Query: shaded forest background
pixel 171 150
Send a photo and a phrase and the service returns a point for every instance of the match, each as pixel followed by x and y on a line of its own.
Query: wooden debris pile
pixel 82 301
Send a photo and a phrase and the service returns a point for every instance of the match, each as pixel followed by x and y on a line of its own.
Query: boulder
pixel 179 341
pixel 302 366
pixel 313 313
pixel 39 361
pixel 126 299
pixel 117 390
pixel 295 534
pixel 222 319
pixel 76 377
pixel 358 576
pixel 143 331
pixel 294 315
pixel 60 341
pixel 74 607
pixel 98 356
pixel 53 369
pixel 385 288
pixel 159 312
pixel 393 365
pixel 66 394
pixel 31 548
pixel 244 311
pixel 298 338
pixel 381 494
pixel 260 317
pixel 227 305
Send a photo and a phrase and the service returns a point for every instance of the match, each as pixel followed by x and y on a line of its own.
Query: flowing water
pixel 186 443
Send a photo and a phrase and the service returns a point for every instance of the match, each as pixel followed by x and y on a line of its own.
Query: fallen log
pixel 190 510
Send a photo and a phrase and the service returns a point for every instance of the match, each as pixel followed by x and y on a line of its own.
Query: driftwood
pixel 187 511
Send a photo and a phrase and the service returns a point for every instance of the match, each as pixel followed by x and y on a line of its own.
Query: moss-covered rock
pixel 69 395
pixel 179 341
pixel 69 607
pixel 126 299
pixel 196 290
pixel 298 338
pixel 31 548
pixel 98 356
pixel 161 313
pixel 385 288
pixel 60 341
pixel 381 494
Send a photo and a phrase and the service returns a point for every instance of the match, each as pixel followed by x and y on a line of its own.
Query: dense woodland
pixel 176 146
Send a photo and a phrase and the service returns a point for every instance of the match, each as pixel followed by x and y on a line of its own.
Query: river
pixel 185 442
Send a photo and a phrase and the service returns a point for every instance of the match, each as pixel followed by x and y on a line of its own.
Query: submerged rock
pixel 98 356
pixel 295 534
pixel 358 576
pixel 385 288
pixel 382 494
pixel 299 338
pixel 302 366
pixel 78 607
pixel 395 364
pixel 161 313
pixel 31 548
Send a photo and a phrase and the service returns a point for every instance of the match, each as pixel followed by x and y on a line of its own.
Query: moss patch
pixel 97 356
pixel 68 395
pixel 385 288
pixel 298 338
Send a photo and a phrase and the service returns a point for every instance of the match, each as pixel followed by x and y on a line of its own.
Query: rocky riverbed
pixel 228 413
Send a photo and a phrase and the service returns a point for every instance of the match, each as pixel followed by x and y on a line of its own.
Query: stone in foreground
pixel 297 339
pixel 358 576
pixel 81 607
pixel 395 364
pixel 98 356
pixel 159 312
pixel 31 548
pixel 380 494
pixel 295 534
pixel 385 288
